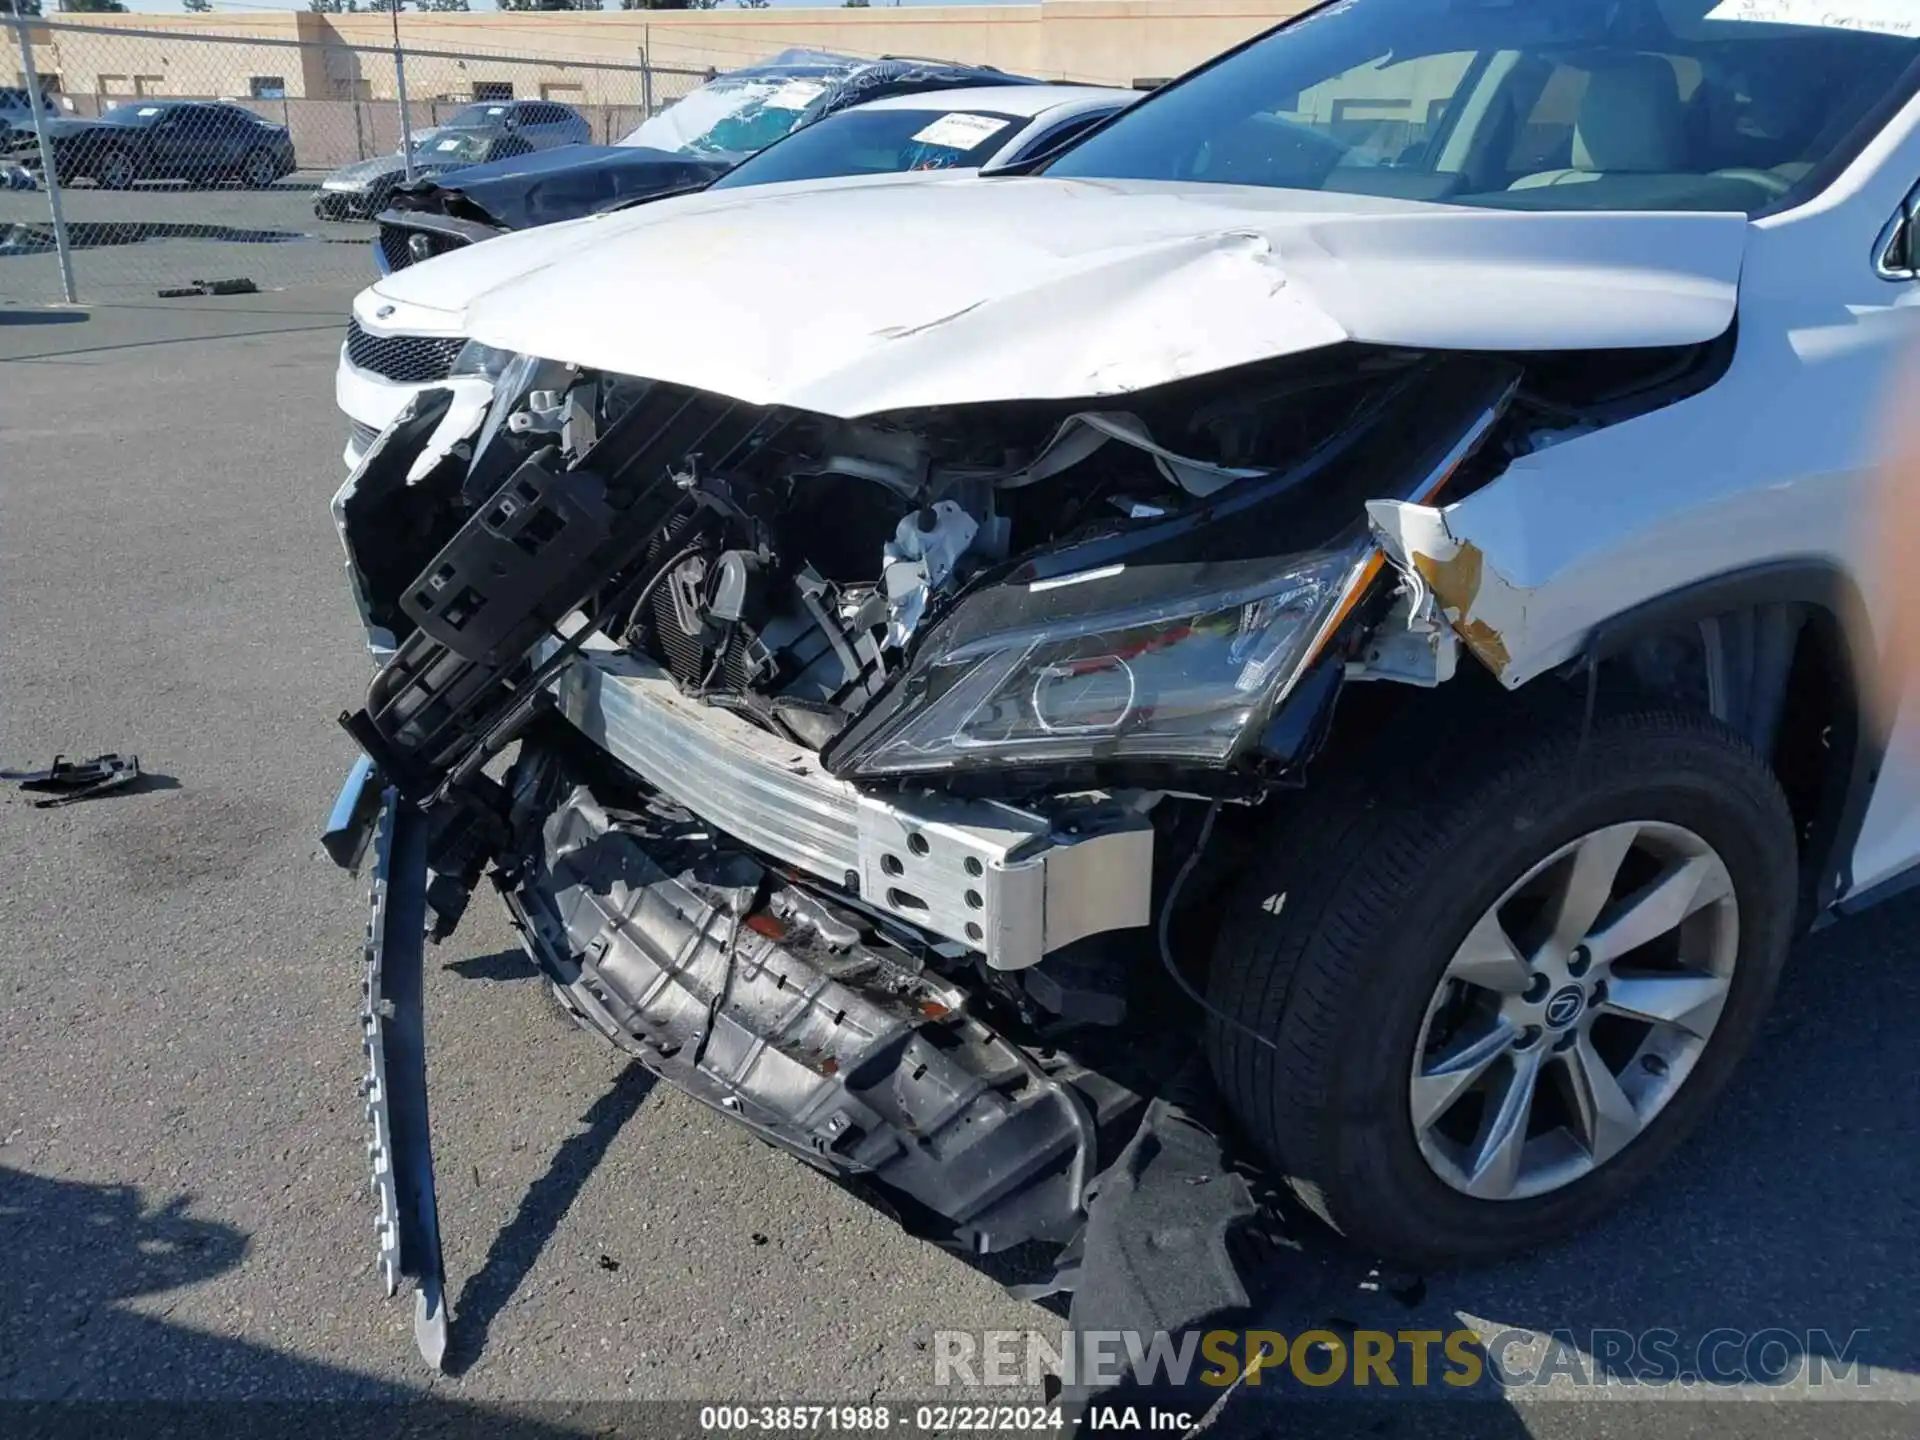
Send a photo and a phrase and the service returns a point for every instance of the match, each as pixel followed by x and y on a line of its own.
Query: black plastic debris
pixel 69 780
pixel 241 286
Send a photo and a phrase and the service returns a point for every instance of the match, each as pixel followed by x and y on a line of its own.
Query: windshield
pixel 134 114
pixel 479 117
pixel 465 147
pixel 877 142
pixel 739 113
pixel 1547 105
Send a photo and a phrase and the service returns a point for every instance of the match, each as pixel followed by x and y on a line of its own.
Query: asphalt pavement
pixel 128 244
pixel 184 1210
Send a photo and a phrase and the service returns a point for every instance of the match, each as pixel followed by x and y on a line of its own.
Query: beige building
pixel 309 56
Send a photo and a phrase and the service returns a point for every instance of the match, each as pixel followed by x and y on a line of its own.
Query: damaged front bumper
pixel 393 1024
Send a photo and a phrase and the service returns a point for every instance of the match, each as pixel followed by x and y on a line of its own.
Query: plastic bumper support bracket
pixel 394 1019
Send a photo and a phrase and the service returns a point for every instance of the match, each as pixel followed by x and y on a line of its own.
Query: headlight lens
pixel 486 361
pixel 1179 678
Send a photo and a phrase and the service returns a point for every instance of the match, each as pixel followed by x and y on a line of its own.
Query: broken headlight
pixel 1175 677
pixel 486 361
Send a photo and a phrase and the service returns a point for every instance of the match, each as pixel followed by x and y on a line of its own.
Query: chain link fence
pixel 135 163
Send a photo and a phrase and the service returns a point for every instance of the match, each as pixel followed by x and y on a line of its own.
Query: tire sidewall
pixel 1374 1134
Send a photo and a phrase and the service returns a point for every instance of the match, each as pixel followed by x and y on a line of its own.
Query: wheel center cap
pixel 1564 1006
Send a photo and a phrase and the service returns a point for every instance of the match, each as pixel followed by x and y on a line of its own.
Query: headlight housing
pixel 1177 676
pixel 488 362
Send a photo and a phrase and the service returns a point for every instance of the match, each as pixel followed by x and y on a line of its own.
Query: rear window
pixel 878 142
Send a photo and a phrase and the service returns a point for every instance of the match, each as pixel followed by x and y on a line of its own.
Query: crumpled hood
pixel 364 172
pixel 569 181
pixel 855 300
pixel 361 172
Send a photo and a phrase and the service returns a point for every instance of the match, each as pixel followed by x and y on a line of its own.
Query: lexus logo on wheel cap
pixel 1565 1006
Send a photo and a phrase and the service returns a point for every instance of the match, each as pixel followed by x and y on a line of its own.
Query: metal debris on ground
pixel 69 780
pixel 242 286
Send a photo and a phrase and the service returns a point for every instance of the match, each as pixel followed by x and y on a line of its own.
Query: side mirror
pixel 1896 254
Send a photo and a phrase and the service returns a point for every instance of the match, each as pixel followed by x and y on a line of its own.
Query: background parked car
pixel 987 127
pixel 543 124
pixel 385 362
pixel 693 141
pixel 200 141
pixel 16 110
pixel 477 135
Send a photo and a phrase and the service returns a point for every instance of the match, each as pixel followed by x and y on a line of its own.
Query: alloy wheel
pixel 1574 1011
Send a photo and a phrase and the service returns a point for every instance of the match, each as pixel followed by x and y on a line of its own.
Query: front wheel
pixel 116 170
pixel 259 170
pixel 1497 1003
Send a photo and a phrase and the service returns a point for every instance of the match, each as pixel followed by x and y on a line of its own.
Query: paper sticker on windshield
pixel 452 142
pixel 146 110
pixel 794 95
pixel 961 132
pixel 1882 17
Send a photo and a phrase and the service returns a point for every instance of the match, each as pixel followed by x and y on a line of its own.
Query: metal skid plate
pixel 393 1021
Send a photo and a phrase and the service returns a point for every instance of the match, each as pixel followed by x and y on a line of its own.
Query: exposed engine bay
pixel 860 765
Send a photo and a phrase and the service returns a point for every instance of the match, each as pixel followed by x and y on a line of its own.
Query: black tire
pixel 259 170
pixel 113 169
pixel 1337 939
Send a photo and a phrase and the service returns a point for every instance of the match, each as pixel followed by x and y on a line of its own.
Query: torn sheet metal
pixel 465 413
pixel 1080 435
pixel 919 560
pixel 69 780
pixel 1486 610
pixel 1413 644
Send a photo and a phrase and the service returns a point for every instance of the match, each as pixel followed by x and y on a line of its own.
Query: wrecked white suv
pixel 1353 568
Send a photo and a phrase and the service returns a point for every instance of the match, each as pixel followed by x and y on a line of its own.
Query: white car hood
pixel 855 300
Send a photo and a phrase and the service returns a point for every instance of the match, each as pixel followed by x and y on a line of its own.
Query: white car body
pixel 428 302
pixel 1586 407
pixel 1014 288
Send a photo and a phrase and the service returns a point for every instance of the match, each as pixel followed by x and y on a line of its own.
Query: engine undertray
pixel 802 1021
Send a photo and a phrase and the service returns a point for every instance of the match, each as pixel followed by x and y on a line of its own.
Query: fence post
pixel 646 77
pixel 400 85
pixel 47 171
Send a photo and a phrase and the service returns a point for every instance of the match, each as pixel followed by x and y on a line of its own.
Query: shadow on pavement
pixel 508 964
pixel 74 1251
pixel 25 315
pixel 517 1247
pixel 74 1362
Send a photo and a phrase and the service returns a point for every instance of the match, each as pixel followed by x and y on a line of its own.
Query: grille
pixel 398 245
pixel 410 359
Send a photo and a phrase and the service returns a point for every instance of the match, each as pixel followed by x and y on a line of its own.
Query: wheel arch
pixel 1780 652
